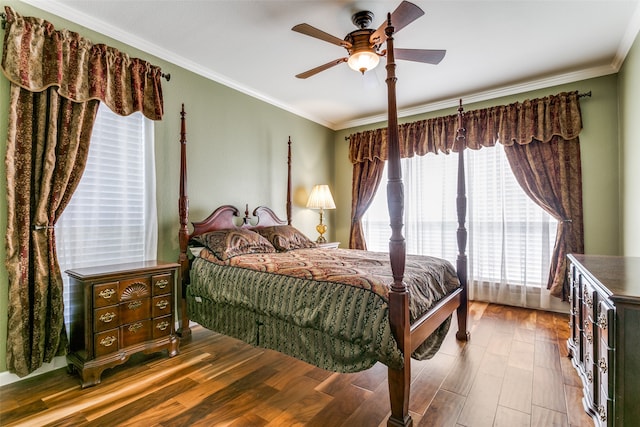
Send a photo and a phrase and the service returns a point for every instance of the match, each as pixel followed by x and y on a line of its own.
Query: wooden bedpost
pixel 183 234
pixel 461 204
pixel 289 182
pixel 399 379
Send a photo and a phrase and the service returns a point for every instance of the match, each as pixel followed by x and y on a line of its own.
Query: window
pixel 510 237
pixel 112 214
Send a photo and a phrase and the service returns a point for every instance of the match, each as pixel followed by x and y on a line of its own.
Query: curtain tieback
pixel 567 220
pixel 42 227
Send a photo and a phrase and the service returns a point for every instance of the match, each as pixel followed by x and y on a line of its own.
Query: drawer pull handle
pixel 587 357
pixel 603 365
pixel 589 338
pixel 107 317
pixel 134 305
pixel 590 377
pixel 162 304
pixel 107 341
pixel 107 293
pixel 586 324
pixel 162 283
pixel 134 328
pixel 602 321
pixel 602 412
pixel 162 325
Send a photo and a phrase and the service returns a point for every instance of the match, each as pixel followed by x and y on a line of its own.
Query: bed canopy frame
pixel 408 336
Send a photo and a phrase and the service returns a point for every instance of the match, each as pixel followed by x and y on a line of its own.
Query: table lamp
pixel 321 198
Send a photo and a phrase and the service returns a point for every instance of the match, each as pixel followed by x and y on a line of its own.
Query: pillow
pixel 285 237
pixel 226 244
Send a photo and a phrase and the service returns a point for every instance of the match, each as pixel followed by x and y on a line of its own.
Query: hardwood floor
pixel 514 372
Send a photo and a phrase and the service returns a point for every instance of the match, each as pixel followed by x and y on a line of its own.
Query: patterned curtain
pixel 365 181
pixel 550 173
pixel 57 81
pixel 545 128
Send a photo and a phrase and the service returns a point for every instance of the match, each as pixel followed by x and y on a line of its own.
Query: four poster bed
pixel 257 278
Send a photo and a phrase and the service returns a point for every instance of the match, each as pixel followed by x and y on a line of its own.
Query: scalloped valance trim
pixel 36 56
pixel 519 123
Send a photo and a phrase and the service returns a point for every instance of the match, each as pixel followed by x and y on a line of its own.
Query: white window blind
pixel 510 237
pixel 112 214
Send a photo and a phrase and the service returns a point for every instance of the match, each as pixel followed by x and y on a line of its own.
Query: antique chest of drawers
pixel 605 336
pixel 118 310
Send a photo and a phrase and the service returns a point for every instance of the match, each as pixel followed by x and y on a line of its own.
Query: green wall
pixel 599 151
pixel 629 88
pixel 237 153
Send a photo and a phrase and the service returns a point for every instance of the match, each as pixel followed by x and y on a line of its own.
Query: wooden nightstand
pixel 119 310
pixel 329 245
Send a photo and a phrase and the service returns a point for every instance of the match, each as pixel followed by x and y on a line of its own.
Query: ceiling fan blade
pixel 319 34
pixel 428 56
pixel 405 14
pixel 323 67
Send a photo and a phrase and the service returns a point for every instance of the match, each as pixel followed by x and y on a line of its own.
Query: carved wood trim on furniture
pixel 121 310
pixel 604 338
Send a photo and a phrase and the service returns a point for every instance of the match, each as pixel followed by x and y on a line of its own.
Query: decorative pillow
pixel 226 244
pixel 285 237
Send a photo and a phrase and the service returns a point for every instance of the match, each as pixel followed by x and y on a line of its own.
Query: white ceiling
pixel 494 48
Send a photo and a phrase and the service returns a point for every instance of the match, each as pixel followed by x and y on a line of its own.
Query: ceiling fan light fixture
pixel 363 61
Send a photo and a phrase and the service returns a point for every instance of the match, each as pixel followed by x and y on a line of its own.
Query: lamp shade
pixel 321 198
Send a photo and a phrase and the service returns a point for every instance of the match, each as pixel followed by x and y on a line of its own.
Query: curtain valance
pixel 518 123
pixel 37 56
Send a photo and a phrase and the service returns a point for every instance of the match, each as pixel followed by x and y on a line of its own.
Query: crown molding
pixel 629 37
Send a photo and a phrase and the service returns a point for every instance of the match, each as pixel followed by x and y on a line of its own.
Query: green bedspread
pixel 341 327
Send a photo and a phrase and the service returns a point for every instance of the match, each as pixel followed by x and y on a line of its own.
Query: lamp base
pixel 321 229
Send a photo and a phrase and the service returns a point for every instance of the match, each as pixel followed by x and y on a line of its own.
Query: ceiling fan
pixel 364 43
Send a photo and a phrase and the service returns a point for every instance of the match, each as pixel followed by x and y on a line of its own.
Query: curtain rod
pixel 580 95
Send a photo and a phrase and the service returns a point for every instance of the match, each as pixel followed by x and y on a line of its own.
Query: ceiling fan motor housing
pixel 359 40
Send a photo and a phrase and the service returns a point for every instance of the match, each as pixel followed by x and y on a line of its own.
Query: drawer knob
pixel 162 304
pixel 162 325
pixel 107 317
pixel 134 328
pixel 587 298
pixel 162 283
pixel 602 321
pixel 134 305
pixel 603 365
pixel 107 341
pixel 602 412
pixel 107 293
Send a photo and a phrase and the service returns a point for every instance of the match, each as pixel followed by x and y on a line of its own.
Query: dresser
pixel 118 310
pixel 605 336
